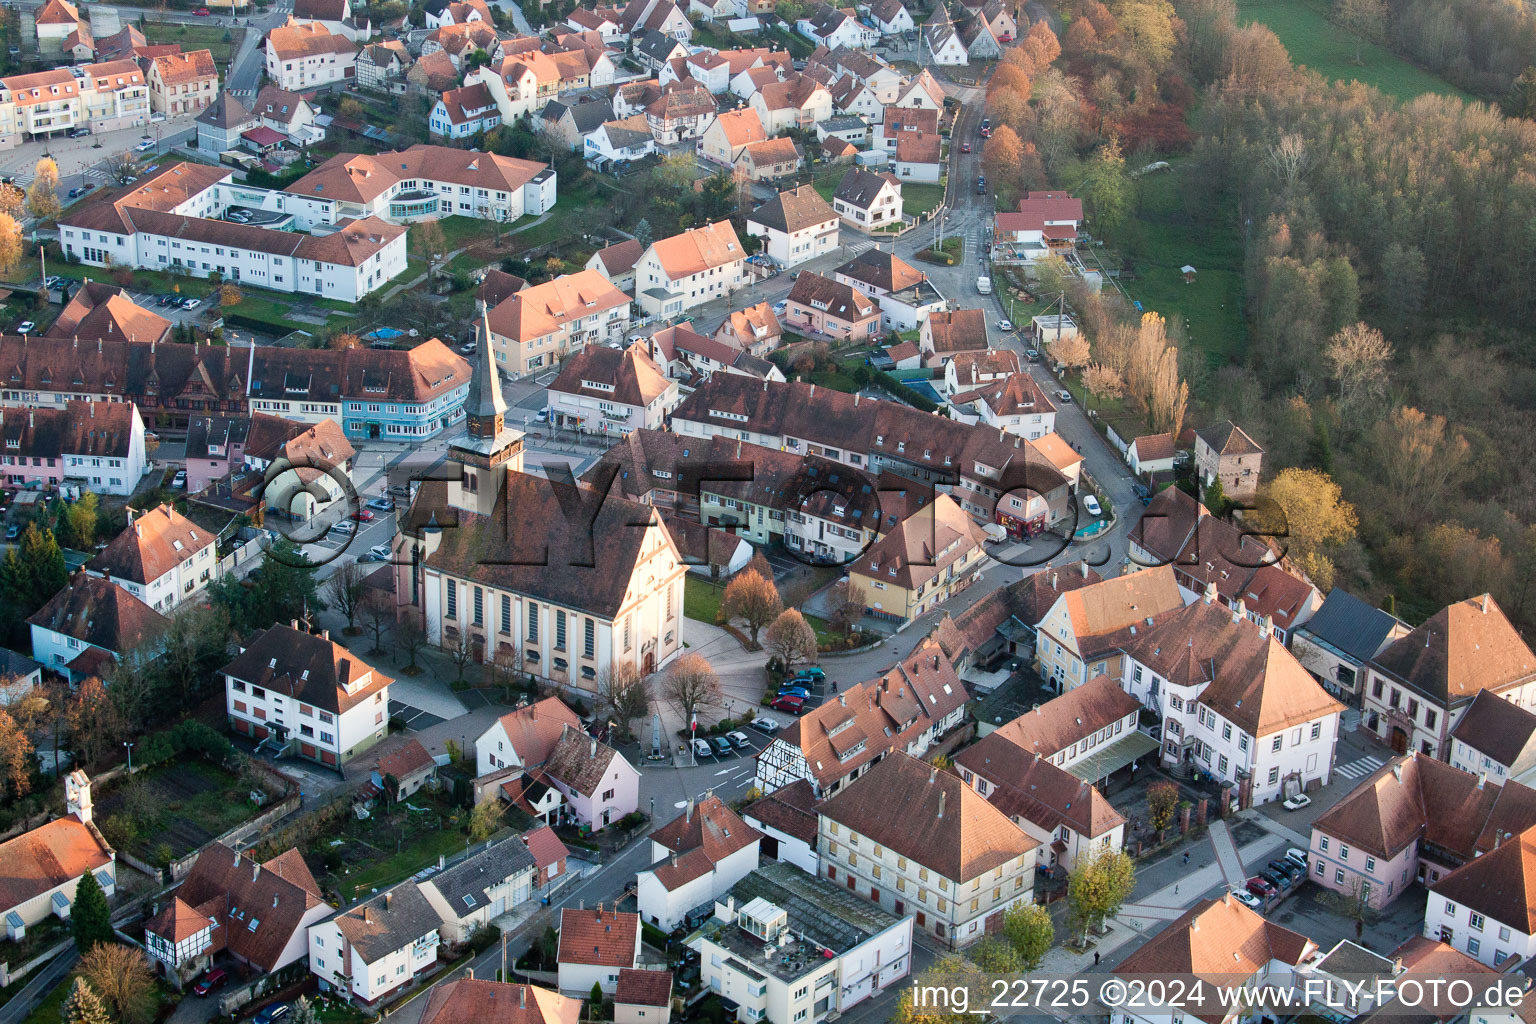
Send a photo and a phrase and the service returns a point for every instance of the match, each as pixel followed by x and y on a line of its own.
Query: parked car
pixel 1005 325
pixel 26 327
pixel 14 530
pixel 345 528
pixel 210 981
pixel 1032 354
pixel 1091 505
pixel 382 505
pixel 145 146
pixel 1280 881
pixel 702 749
pixel 202 12
pixel 1297 802
pixel 1281 866
pixel 1143 493
pixel 794 705
pixel 180 479
pixel 815 672
pixel 965 147
pixel 80 190
pixel 794 691
pixel 1248 899
pixel 380 551
pixel 1297 857
pixel 1064 396
pixel 981 185
pixel 79 133
pixel 739 739
pixel 191 303
pixel 1260 887
pixel 722 746
pixel 362 515
pixel 167 299
pixel 765 725
pixel 277 1011
pixel 52 281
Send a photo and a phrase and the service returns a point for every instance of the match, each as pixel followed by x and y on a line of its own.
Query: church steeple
pixel 484 407
pixel 487 449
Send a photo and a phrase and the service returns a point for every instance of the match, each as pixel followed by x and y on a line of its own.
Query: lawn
pixel 701 599
pixel 1323 46
pixel 421 853
pixel 1162 237
pixel 220 42
pixel 171 810
pixel 51 1009
pixel 917 200
pixel 354 856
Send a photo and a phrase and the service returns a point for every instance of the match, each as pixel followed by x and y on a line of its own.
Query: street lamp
pixel 130 756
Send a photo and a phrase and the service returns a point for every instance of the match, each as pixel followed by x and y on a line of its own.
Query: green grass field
pixel 1313 40
pixel 1164 237
pixel 196 37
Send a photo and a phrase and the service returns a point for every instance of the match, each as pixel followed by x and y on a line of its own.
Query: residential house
pixel 1415 819
pixel 569 122
pixel 921 92
pixel 543 324
pixel 643 997
pixel 770 159
pixel 44 865
pixel 439 13
pixel 471 893
pixel 523 738
pixel 1045 224
pixel 232 906
pixel 1068 817
pixel 891 17
pixel 289 114
pixel 1151 455
pixel 462 113
pixel 377 948
pixel 799 225
pixel 61 32
pixel 751 81
pixel 161 557
pixel 87 626
pixel 1081 636
pixel 1224 452
pixel 221 124
pixel 867 200
pixel 382 66
pixel 729 134
pixel 1217 942
pixel 928 559
pixel 844 128
pixel 948 333
pixel 1089 731
pixel 833 27
pixel 905 295
pixel 436 73
pixel 695 859
pixel 461 42
pixel 20 676
pixel 755 329
pixel 900 121
pixel 797 102
pixel 687 355
pixel 1418 687
pixel 496 1002
pixel 1234 703
pixel 971 370
pixel 919 157
pixel 818 305
pixel 958 873
pixel 402 772
pixel 981 43
pixel 115 95
pixel 337 17
pixel 787 820
pixel 1495 737
pixel 301 56
pixel 883 79
pixel 617 263
pixel 682 112
pixel 710 553
pixel 1016 404
pixel 656 49
pixel 999 18
pixel 1337 642
pixel 1001 625
pixel 312 697
pixel 855 98
pixel 602 390
pixel 600 21
pixel 618 143
pixel 182 83
pixel 96 445
pixel 303 469
pixel 1486 906
pixel 595 945
pixel 678 273
pixel 549 856
pixel 906 710
pixel 943 42
pixel 787 946
pixel 662 16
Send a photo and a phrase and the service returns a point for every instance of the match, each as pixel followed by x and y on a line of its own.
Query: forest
pixel 1386 259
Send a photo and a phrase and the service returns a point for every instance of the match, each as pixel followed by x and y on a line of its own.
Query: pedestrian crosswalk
pixel 862 247
pixel 238 93
pixel 22 179
pixel 96 174
pixel 1359 769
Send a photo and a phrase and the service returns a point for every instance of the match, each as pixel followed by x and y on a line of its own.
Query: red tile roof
pixel 604 938
pixel 47 857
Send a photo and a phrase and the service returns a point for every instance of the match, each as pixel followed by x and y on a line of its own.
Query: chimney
pixel 388 897
pixel 933 773
pixel 255 870
pixel 1237 611
pixel 237 858
pixel 674 858
pixel 470 974
pixel 1397 966
pixel 688 811
pixel 1083 568
pixel 1485 604
pixel 325 634
pixel 367 914
pixel 1482 779
pixel 942 795
pixel 1266 625
pixel 522 997
pixel 1397 771
pixel 592 751
pixel 1210 592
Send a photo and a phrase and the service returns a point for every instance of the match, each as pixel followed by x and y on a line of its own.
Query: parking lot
pixel 414 718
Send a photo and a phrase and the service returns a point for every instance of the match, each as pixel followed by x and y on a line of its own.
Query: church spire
pixel 483 406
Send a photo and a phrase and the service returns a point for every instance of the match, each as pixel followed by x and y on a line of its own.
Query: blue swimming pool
pixel 927 390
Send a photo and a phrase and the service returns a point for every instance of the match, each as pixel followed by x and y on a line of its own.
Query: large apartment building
pixel 183 83
pixel 103 97
pixel 427 182
pixel 172 222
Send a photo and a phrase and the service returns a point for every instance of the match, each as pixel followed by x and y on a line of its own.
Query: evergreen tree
pixel 84 1006
pixel 90 917
pixel 595 1002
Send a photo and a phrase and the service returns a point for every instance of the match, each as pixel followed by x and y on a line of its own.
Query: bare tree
pixel 410 638
pixel 1367 19
pixel 691 686
pixel 752 598
pixel 378 615
pixel 120 168
pixel 1358 357
pixel 506 667
pixel 622 695
pixel 1289 160
pixel 461 651
pixel 345 589
pixel 791 639
pixel 845 605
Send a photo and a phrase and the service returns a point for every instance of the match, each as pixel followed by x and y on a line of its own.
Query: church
pixel 548 577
